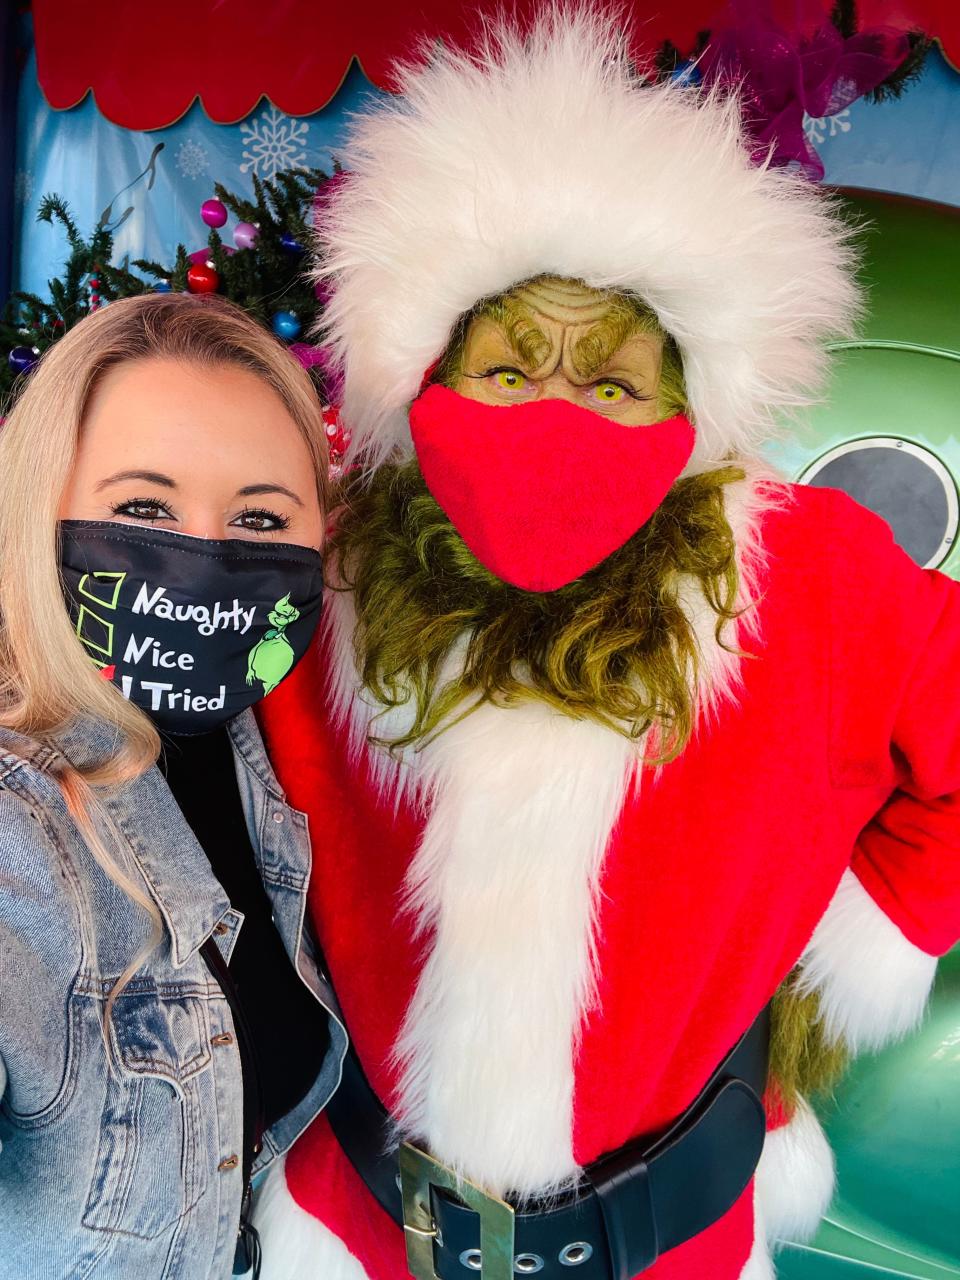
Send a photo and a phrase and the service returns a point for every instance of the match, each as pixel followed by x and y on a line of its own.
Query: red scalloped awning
pixel 147 63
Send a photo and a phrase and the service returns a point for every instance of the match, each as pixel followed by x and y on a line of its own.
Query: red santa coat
pixel 541 953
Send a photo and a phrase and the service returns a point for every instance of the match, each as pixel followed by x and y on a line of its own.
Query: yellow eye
pixel 509 380
pixel 609 392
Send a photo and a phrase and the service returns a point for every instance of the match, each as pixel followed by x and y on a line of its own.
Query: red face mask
pixel 541 492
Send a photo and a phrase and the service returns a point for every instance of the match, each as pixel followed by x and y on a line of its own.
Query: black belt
pixel 630 1206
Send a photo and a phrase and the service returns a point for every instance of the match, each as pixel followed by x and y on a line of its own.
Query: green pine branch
pixel 264 280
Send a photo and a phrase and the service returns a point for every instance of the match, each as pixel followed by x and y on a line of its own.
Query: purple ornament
pixel 332 374
pixel 245 235
pixel 22 359
pixel 213 212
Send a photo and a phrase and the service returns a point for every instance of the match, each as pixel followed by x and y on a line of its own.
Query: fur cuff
pixel 759 1266
pixel 296 1245
pixel 794 1179
pixel 872 983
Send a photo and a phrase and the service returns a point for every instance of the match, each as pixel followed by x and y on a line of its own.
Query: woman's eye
pixel 143 509
pixel 608 392
pixel 260 521
pixel 509 380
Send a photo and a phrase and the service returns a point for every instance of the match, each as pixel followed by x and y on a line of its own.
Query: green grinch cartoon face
pixel 272 657
pixel 283 613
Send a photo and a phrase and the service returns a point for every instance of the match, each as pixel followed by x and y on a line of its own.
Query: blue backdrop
pixel 151 185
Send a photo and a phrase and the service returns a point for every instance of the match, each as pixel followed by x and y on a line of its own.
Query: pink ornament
pixel 245 235
pixel 325 194
pixel 310 355
pixel 213 212
pixel 202 256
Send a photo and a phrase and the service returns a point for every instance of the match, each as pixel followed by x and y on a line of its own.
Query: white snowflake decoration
pixel 192 159
pixel 819 128
pixel 22 186
pixel 273 142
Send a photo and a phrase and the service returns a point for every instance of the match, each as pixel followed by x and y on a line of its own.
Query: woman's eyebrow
pixel 251 490
pixel 152 477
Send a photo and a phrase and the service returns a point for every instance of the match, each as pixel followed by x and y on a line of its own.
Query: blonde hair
pixel 47 681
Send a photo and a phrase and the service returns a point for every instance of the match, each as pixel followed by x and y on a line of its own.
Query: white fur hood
pixel 547 154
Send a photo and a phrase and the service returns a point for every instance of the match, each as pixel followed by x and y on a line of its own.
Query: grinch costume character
pixel 272 657
pixel 614 737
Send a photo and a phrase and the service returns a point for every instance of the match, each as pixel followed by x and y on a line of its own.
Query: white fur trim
pixel 759 1266
pixel 745 504
pixel 296 1245
pixel 872 983
pixel 505 879
pixel 355 710
pixel 544 154
pixel 795 1178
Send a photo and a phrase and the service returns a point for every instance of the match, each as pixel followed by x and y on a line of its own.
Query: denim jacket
pixel 132 1173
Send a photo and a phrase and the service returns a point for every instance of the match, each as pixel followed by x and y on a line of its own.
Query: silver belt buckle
pixel 418 1173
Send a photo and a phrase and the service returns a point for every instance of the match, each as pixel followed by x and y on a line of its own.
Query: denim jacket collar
pixel 248 742
pixel 168 855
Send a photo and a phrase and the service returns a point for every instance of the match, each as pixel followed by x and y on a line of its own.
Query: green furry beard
pixel 803 1060
pixel 614 646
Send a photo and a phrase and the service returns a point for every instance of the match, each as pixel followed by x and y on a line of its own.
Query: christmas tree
pixel 263 271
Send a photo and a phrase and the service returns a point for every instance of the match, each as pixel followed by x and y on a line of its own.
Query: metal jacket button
pixel 230 1162
pixel 278 816
pixel 220 929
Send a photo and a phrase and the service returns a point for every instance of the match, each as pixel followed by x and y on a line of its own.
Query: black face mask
pixel 191 630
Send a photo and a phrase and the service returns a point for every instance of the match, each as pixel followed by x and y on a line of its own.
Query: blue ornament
pixel 22 359
pixel 286 325
pixel 163 286
pixel 290 244
pixel 687 73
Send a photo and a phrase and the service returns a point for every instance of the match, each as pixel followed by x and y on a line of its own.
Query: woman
pixel 164 1031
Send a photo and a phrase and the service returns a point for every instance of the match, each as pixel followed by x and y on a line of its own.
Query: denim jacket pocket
pixel 151 1163
pixel 40 1086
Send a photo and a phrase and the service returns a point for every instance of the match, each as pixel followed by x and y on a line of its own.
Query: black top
pixel 287 1026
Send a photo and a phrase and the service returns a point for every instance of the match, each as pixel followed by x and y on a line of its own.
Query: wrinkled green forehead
pixel 534 315
pixel 570 301
pixel 567 301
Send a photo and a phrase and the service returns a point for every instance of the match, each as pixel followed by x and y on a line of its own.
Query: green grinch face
pixel 283 613
pixel 559 339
